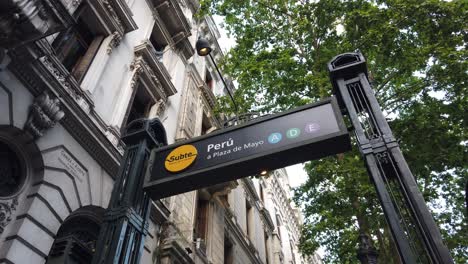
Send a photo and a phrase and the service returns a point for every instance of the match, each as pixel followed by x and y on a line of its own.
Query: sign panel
pixel 308 132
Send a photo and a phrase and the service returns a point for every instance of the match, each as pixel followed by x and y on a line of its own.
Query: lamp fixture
pixel 203 48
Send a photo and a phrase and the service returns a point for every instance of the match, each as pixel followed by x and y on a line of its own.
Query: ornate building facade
pixel 73 74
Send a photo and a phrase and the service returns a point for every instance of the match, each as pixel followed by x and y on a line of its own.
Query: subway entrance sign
pixel 302 134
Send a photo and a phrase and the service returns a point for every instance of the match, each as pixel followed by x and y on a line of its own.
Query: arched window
pixel 76 239
pixel 12 171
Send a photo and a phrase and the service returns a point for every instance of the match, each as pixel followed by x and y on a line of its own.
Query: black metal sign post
pixel 414 230
pixel 125 226
pixel 268 143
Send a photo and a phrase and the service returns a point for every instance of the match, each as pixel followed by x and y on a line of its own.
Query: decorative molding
pixel 160 108
pixel 115 41
pixel 183 44
pixel 236 232
pixel 208 97
pixel 7 208
pixel 113 13
pixel 194 5
pixel 27 20
pixel 283 202
pixel 44 113
pixel 76 2
pixel 68 83
pixel 115 16
pixel 169 13
pixel 39 70
pixel 153 72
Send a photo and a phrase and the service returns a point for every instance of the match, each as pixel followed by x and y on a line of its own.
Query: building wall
pixel 66 133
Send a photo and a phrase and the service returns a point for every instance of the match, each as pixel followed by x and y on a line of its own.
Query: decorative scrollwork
pixel 114 15
pixel 44 113
pixel 6 211
pixel 383 157
pixel 115 41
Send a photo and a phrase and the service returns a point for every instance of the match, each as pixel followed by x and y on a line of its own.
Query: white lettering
pixel 218 146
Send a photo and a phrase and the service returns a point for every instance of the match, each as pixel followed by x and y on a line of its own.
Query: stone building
pixel 73 74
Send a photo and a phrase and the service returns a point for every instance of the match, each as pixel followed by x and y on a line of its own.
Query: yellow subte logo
pixel 180 158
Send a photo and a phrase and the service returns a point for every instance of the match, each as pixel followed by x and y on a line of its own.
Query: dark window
pixel 158 44
pixel 209 80
pixel 77 46
pixel 262 195
pixel 12 172
pixel 201 220
pixel 139 106
pixel 249 219
pixel 228 251
pixel 278 224
pixel 206 125
pixel 266 249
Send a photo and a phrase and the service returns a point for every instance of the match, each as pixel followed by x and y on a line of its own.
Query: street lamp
pixel 203 48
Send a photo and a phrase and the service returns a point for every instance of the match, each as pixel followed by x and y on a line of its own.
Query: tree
pixel 416 52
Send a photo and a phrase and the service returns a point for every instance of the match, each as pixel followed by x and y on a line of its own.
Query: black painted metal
pixel 125 226
pixel 250 151
pixel 414 230
pixel 366 253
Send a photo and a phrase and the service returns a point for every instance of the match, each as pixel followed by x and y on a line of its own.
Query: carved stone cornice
pixel 23 21
pixel 169 13
pixel 39 71
pixel 147 64
pixel 194 5
pixel 160 29
pixel 159 212
pixel 173 16
pixel 114 42
pixel 145 75
pixel 222 188
pixel 183 44
pixel 206 91
pixel 115 16
pixel 264 213
pixel 266 219
pixel 175 253
pixel 284 204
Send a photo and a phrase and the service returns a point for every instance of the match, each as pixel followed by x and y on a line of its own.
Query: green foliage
pixel 416 52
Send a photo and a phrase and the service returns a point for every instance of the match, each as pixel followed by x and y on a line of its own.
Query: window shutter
pixel 84 62
pixel 202 219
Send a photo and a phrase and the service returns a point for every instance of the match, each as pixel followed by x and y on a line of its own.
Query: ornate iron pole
pixel 125 226
pixel 413 228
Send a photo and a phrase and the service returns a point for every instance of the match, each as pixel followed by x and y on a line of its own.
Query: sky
pixel 297 175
